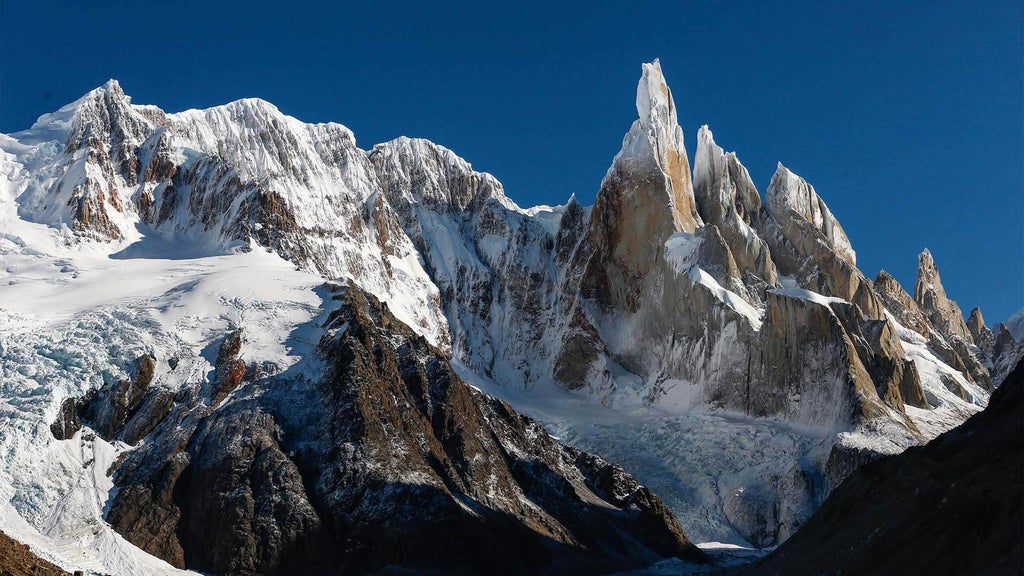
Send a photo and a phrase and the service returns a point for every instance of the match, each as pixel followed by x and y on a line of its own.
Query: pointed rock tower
pixel 726 197
pixel 645 197
pixel 931 298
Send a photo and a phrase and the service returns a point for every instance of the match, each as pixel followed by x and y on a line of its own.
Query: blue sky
pixel 908 119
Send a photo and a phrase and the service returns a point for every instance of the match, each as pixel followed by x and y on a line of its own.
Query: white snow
pixel 68 313
pixel 681 252
pixel 731 299
pixel 810 296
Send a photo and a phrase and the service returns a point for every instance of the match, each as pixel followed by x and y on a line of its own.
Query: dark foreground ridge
pixel 388 463
pixel 952 506
pixel 17 560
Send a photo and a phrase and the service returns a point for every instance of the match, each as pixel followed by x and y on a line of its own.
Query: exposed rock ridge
pixel 931 297
pixel 17 559
pixel 727 198
pixel 998 349
pixel 396 462
pixel 946 317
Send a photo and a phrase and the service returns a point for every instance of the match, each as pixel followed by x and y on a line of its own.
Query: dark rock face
pixel 109 408
pixel 230 370
pixel 395 464
pixel 952 506
pixel 68 422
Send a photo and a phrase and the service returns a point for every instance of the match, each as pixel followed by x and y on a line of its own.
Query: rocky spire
pixel 931 298
pixel 976 325
pixel 653 157
pixel 657 118
pixel 727 198
pixel 645 197
pixel 791 196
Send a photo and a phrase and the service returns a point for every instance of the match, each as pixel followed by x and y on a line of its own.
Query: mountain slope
pixel 952 506
pixel 392 462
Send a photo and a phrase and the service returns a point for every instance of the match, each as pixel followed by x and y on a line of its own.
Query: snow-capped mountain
pixel 726 348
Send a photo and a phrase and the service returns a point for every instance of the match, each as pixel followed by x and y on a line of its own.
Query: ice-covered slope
pixel 677 312
pixel 214 180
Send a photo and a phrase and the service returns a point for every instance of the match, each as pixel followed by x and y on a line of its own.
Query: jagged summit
pixel 931 297
pixel 654 104
pixel 111 85
pixel 654 149
pixel 789 194
pixel 976 320
pixel 727 198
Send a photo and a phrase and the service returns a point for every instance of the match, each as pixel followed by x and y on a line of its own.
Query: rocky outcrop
pixel 230 369
pixel 108 409
pixel 980 333
pixel 396 462
pixel 931 298
pixel 1006 352
pixel 999 351
pixel 812 370
pixel 68 422
pixel 946 318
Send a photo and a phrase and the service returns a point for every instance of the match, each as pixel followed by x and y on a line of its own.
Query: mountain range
pixel 237 343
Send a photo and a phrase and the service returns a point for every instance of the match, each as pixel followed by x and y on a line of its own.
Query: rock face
pixel 951 506
pixel 931 298
pixel 980 333
pixel 68 422
pixel 945 316
pixel 951 348
pixel 1006 352
pixel 645 197
pixel 791 199
pixel 398 463
pixel 110 407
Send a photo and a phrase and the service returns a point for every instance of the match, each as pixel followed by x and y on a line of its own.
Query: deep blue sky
pixel 907 119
